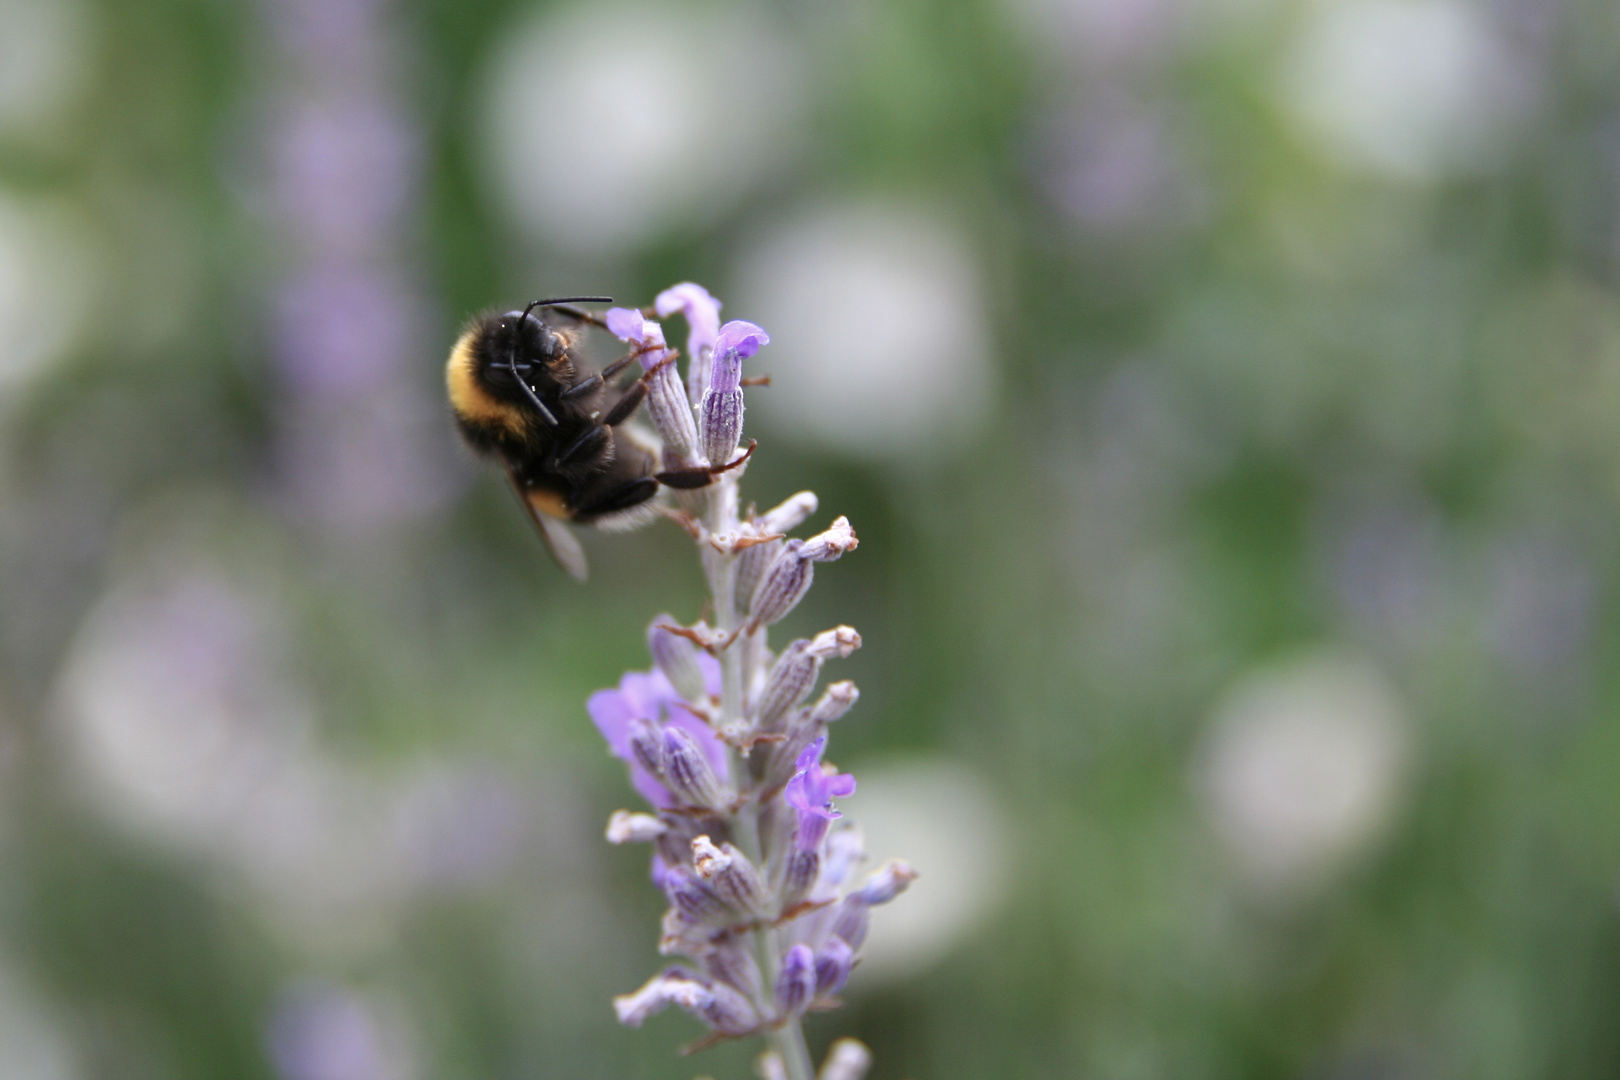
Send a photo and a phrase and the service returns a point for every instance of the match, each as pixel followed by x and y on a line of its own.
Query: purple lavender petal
pixel 612 715
pixel 736 342
pixel 740 338
pixel 702 313
pixel 642 695
pixel 648 693
pixel 649 787
pixel 811 792
pixel 626 324
pixel 658 870
pixel 812 831
pixel 810 756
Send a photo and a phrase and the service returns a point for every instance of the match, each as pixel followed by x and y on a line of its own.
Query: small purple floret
pixel 626 324
pixel 701 310
pixel 737 341
pixel 811 792
pixel 743 338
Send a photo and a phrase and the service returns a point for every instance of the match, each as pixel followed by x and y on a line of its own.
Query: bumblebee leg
pixel 581 388
pixel 622 497
pixel 587 386
pixel 621 363
pixel 696 478
pixel 626 406
pixel 592 443
pixel 635 393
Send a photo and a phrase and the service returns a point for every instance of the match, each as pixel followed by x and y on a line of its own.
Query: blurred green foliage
pixel 1255 395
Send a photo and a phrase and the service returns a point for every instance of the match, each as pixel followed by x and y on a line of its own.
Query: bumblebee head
pixel 504 367
pixel 507 351
pixel 523 337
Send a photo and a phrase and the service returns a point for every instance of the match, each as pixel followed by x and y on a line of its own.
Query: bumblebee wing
pixel 559 539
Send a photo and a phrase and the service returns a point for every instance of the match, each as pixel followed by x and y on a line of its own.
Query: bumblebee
pixel 521 395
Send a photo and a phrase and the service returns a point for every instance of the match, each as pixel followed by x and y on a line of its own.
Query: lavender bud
pixel 718 1005
pixel 796 982
pixel 840 641
pixel 847 1059
pixel 726 1010
pixel 782 586
pixel 752 563
pixel 647 747
pixel 677 658
pixel 886 883
pixel 833 966
pixel 627 828
pixel 791 678
pixel 796 671
pixel 675 845
pixel 688 773
pixel 671 414
pixel 720 421
pixel 732 963
pixel 834 702
pixel 680 936
pixel 694 900
pixel 777 825
pixel 852 920
pixel 802 867
pixel 826 546
pixel 787 515
pixel 731 876
pixel 768 1066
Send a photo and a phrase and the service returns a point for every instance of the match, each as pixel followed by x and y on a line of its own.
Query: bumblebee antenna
pixel 511 365
pixel 564 304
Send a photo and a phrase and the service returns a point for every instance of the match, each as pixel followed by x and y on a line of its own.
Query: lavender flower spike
pixel 724 737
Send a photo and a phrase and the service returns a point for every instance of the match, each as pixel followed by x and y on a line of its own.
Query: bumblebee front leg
pixel 627 405
pixel 687 479
pixel 587 386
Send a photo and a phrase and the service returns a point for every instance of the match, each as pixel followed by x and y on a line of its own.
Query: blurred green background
pixel 1226 393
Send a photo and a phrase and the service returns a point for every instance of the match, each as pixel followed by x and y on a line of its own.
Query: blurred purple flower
pixel 648 695
pixel 322 1032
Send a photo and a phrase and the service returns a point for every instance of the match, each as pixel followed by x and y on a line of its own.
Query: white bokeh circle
pixel 879 343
